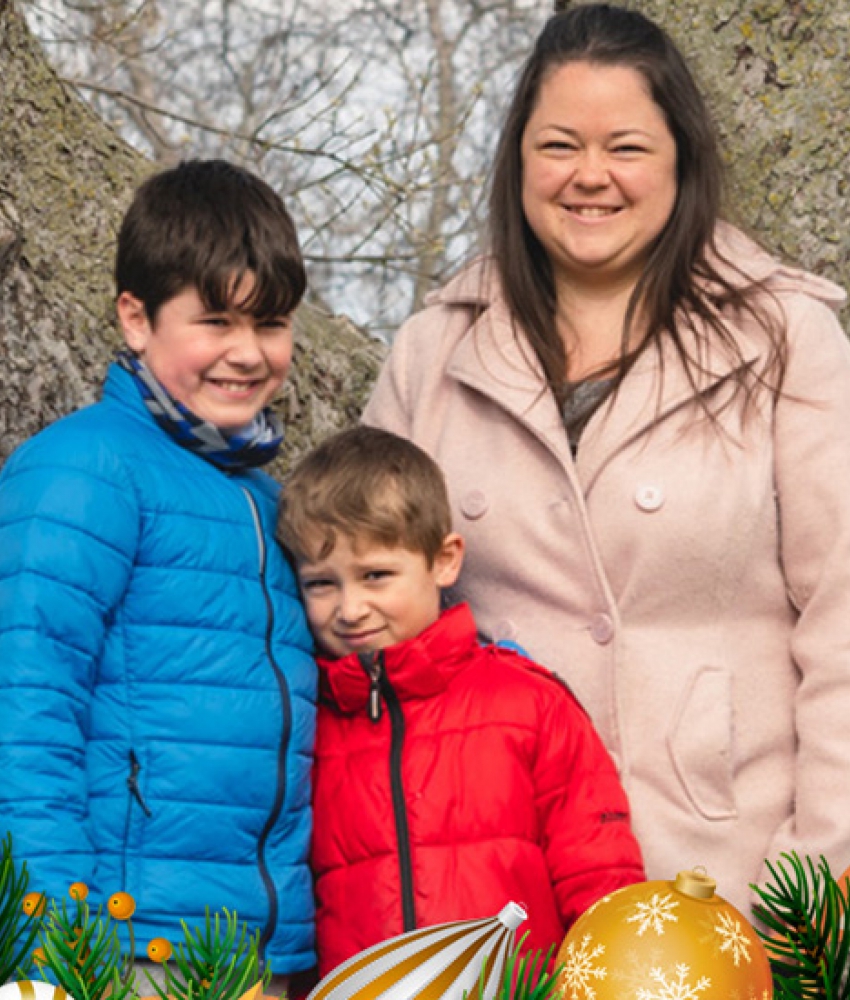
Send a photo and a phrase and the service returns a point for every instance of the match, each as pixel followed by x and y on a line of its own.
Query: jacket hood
pixel 418 668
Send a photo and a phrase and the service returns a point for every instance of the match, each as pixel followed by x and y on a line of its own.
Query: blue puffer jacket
pixel 157 692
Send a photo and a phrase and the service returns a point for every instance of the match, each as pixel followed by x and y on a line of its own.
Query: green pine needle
pixel 18 931
pixel 84 954
pixel 804 914
pixel 523 978
pixel 217 962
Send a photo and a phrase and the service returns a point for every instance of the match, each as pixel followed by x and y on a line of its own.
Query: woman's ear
pixel 448 560
pixel 133 318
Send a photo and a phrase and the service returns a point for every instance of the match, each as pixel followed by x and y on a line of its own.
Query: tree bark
pixel 775 72
pixel 65 180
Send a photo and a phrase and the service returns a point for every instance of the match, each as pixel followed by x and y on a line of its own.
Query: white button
pixel 649 498
pixel 474 505
pixel 504 629
pixel 602 629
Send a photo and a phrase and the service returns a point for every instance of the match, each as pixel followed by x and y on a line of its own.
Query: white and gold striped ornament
pixel 442 962
pixel 33 989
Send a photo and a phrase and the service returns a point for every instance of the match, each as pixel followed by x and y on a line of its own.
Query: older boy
pixel 157 709
pixel 450 777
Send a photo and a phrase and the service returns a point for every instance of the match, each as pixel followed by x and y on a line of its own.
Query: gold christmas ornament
pixel 443 962
pixel 661 940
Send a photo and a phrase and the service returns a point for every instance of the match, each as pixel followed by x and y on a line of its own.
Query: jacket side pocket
pixel 701 740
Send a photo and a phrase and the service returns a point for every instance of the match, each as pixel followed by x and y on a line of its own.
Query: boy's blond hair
pixel 367 485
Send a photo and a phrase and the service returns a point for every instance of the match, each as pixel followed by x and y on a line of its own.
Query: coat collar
pixel 418 668
pixel 493 358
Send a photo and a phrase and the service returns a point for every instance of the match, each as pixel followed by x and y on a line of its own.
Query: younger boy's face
pixel 366 596
pixel 224 366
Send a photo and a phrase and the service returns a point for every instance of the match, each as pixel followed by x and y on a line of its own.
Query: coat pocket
pixel 701 741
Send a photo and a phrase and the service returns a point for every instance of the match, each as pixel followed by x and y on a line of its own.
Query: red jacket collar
pixel 418 668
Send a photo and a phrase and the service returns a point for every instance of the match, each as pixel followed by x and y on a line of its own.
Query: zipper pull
pixel 133 783
pixel 371 663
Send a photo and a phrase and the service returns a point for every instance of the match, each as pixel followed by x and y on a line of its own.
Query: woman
pixel 645 425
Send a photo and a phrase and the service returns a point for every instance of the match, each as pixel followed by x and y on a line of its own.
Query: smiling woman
pixel 644 421
pixel 599 173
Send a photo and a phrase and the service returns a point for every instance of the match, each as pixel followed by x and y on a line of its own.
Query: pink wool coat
pixel 692 587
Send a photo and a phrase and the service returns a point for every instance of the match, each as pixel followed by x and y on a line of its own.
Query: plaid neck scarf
pixel 250 446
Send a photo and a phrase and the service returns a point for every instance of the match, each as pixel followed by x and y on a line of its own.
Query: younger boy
pixel 449 777
pixel 157 708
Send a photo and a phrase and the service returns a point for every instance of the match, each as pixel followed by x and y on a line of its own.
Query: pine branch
pixel 524 978
pixel 212 965
pixel 805 913
pixel 18 929
pixel 84 954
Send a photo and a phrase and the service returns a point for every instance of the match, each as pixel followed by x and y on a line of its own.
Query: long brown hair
pixel 681 263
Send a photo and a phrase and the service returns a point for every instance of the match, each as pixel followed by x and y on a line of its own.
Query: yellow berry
pixel 34 904
pixel 159 950
pixel 122 906
pixel 78 891
pixel 38 956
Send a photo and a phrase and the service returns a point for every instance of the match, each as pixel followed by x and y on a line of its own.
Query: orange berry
pixel 78 891
pixel 38 956
pixel 121 905
pixel 34 904
pixel 159 950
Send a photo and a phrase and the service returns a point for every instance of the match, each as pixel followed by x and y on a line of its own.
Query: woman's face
pixel 599 172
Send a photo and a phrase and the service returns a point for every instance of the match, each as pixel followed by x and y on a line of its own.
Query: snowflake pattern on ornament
pixel 677 988
pixel 733 938
pixel 652 915
pixel 581 968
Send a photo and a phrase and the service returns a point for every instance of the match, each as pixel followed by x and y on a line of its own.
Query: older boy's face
pixel 367 596
pixel 224 366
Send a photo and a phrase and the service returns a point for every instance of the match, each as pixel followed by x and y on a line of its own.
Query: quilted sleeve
pixel 812 469
pixel 586 833
pixel 68 532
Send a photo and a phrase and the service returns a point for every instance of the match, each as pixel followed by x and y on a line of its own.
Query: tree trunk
pixel 775 72
pixel 65 180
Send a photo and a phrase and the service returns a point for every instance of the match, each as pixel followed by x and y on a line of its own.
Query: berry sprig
pixel 83 952
pixel 217 962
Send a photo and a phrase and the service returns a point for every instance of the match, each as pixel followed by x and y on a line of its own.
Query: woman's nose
pixel 592 169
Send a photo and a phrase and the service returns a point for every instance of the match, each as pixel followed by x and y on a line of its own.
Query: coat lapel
pixel 655 389
pixel 494 359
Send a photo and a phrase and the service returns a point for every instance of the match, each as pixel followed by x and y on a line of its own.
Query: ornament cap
pixel 696 883
pixel 512 916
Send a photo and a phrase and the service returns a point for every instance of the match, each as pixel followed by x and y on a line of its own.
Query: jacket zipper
pixel 133 783
pixel 135 793
pixel 380 685
pixel 286 707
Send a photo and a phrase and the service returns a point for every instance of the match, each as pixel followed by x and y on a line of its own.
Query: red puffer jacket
pixel 471 777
